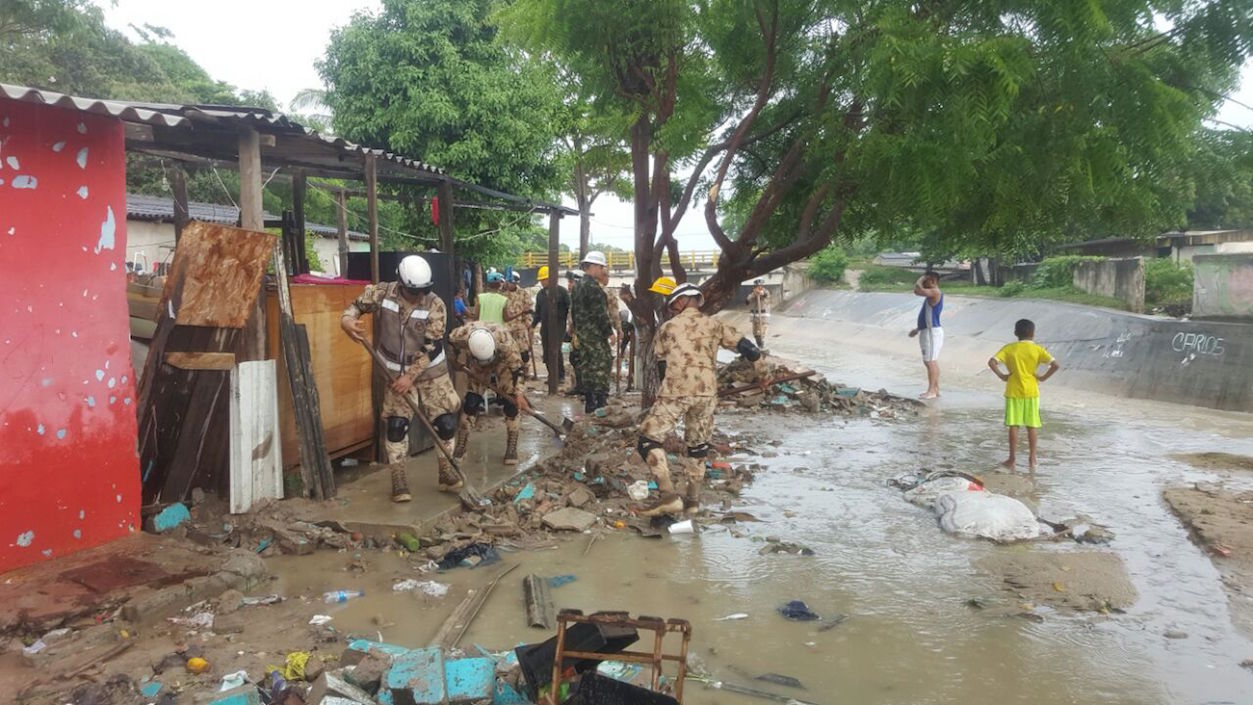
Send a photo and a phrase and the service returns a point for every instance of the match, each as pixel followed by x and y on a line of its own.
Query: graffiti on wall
pixel 69 475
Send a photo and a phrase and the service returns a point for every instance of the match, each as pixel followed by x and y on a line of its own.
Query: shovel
pixel 567 424
pixel 469 498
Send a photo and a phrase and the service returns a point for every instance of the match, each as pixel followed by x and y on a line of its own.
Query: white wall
pixel 328 252
pixel 149 243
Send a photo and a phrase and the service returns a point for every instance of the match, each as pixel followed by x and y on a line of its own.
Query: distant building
pixel 150 227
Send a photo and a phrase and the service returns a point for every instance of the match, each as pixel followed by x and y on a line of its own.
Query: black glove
pixel 748 350
pixel 661 370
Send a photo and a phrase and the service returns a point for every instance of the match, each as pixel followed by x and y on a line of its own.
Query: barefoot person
pixel 1022 385
pixel 930 334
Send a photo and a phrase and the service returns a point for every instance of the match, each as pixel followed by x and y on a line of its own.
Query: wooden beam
pixel 178 184
pixel 446 234
pixel 200 360
pixel 342 232
pixel 552 327
pixel 372 213
pixel 252 217
pixel 299 185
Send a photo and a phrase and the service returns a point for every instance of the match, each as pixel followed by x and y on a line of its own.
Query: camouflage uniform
pixel 517 319
pixel 759 309
pixel 411 339
pixel 507 368
pixel 589 309
pixel 688 345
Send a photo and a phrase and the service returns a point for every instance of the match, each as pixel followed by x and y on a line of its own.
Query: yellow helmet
pixel 543 273
pixel 663 286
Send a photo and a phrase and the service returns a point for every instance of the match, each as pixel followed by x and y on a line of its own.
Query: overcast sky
pixel 273 44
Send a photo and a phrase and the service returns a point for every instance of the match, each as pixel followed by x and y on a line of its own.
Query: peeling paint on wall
pixel 69 478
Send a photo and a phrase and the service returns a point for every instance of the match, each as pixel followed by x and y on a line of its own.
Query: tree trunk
pixel 585 228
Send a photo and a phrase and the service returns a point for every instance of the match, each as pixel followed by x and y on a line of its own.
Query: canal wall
pixel 1203 363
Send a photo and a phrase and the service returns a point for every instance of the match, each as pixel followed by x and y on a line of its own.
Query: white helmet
pixel 683 290
pixel 594 257
pixel 414 272
pixel 482 345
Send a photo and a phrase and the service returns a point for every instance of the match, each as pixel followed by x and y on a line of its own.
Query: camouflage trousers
pixel 697 414
pixel 595 366
pixel 760 322
pixel 436 397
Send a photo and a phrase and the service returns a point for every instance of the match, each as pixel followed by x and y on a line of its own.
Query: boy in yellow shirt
pixel 1022 385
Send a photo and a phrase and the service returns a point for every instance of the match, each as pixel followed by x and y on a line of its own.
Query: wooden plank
pixel 219 270
pixel 342 232
pixel 201 360
pixel 299 186
pixel 315 464
pixel 252 217
pixel 341 369
pixel 178 184
pixel 208 395
pixel 372 213
pixel 256 470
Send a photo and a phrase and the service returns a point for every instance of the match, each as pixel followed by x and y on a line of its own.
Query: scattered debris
pixel 569 519
pixel 798 611
pixel 778 679
pixel 807 393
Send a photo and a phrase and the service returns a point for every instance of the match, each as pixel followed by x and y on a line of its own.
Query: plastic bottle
pixel 335 596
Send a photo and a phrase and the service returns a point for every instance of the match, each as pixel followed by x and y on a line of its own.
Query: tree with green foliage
pixel 1221 174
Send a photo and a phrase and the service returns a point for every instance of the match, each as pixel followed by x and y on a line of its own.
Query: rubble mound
pixel 801 390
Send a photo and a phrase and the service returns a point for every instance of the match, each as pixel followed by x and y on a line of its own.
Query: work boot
pixel 511 447
pixel 691 503
pixel 448 481
pixel 760 343
pixel 602 400
pixel 463 440
pixel 589 402
pixel 400 486
pixel 667 503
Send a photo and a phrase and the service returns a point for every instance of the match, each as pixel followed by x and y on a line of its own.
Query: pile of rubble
pixel 798 389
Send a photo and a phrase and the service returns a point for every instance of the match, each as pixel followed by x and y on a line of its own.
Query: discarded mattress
pixel 965 508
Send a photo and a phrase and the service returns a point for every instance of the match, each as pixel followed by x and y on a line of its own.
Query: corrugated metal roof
pixel 150 114
pixel 160 209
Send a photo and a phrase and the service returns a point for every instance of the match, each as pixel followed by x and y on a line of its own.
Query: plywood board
pixel 221 269
pixel 341 369
pixel 256 455
pixel 201 360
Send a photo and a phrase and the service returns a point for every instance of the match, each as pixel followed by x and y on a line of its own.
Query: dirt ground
pixel 1216 461
pixel 1221 523
pixel 1074 581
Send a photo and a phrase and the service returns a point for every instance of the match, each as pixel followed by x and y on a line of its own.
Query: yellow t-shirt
pixel 1023 358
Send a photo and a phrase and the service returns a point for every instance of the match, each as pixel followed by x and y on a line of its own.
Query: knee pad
pixel 473 404
pixel 511 409
pixel 445 426
pixel 526 357
pixel 397 428
pixel 645 444
pixel 749 351
pixel 700 451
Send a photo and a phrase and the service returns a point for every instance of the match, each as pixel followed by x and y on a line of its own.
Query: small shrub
pixel 1059 271
pixel 828 265
pixel 1014 288
pixel 877 277
pixel 1168 285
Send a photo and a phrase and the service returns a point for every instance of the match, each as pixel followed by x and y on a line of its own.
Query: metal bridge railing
pixel 706 259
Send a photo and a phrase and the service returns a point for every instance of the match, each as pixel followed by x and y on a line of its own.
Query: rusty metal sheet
pixel 220 268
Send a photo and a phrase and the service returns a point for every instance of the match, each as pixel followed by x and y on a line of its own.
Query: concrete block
pixel 229 624
pixel 368 674
pixel 569 519
pixel 358 648
pixel 580 496
pixel 415 678
pixel 332 685
pixel 469 680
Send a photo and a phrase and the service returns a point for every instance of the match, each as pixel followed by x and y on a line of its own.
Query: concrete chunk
pixel 469 680
pixel 332 685
pixel 416 678
pixel 580 496
pixel 368 674
pixel 569 519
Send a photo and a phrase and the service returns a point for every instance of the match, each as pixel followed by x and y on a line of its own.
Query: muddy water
pixel 910 638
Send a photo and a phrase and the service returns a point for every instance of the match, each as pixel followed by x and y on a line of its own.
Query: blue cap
pixel 494 277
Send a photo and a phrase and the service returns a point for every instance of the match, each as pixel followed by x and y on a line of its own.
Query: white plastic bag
pixel 986 515
pixel 925 494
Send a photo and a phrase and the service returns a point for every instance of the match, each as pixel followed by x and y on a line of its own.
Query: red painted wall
pixel 69 476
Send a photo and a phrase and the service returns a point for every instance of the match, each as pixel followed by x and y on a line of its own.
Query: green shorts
pixel 1022 412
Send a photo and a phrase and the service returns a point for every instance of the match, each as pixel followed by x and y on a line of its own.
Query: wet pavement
pixel 911 636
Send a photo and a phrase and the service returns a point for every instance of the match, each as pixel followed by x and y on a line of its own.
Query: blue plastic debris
pixel 506 695
pixel 847 391
pixel 264 544
pixel 558 580
pixel 365 646
pixel 579 477
pixel 652 484
pixel 243 695
pixel 527 492
pixel 715 474
pixel 469 680
pixel 150 690
pixel 170 517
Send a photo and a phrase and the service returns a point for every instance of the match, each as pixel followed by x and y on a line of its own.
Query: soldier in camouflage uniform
pixel 411 324
pixel 759 310
pixel 589 308
pixel 486 350
pixel 517 317
pixel 686 347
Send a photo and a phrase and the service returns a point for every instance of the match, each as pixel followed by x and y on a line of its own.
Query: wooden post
pixel 178 184
pixel 252 217
pixel 342 232
pixel 446 232
pixel 553 329
pixel 372 210
pixel 299 185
